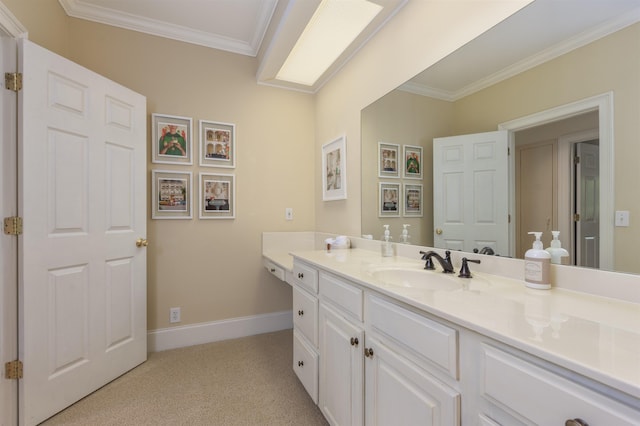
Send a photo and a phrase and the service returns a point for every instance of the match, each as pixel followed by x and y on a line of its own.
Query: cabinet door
pixel 341 368
pixel 400 393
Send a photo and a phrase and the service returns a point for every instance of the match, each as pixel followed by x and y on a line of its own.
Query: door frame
pixel 602 103
pixel 10 27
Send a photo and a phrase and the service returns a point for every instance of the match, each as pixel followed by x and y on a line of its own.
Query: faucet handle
pixel 465 272
pixel 447 257
pixel 429 261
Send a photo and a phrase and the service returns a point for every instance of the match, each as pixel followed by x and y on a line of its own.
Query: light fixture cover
pixel 332 28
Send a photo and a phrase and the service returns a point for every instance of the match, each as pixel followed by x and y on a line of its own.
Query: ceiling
pixel 268 30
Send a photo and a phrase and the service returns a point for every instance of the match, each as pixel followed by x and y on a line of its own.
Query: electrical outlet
pixel 288 213
pixel 174 315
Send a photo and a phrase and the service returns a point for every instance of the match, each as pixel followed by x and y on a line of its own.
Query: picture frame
pixel 389 199
pixel 334 170
pixel 171 194
pixel 217 196
pixel 412 196
pixel 388 160
pixel 412 162
pixel 171 139
pixel 217 144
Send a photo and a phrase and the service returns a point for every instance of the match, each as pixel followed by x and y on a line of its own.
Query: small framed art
pixel 389 199
pixel 217 196
pixel 412 200
pixel 388 157
pixel 171 139
pixel 171 192
pixel 412 162
pixel 217 144
pixel 334 170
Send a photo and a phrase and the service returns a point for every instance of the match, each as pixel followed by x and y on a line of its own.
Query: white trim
pixel 604 105
pixel 232 328
pixel 104 15
pixel 10 25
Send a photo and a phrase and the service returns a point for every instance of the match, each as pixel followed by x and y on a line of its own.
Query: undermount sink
pixel 424 279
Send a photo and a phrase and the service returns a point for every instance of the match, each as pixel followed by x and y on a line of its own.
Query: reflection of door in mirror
pixel 548 187
pixel 470 197
pixel 587 219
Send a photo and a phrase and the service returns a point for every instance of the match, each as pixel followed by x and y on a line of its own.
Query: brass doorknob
pixel 438 231
pixel 141 242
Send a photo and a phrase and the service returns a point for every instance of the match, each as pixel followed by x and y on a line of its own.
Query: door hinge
pixel 13 225
pixel 13 81
pixel 576 217
pixel 576 160
pixel 13 370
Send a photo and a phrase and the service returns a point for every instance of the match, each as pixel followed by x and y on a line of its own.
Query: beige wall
pixel 210 268
pixel 609 64
pixel 405 119
pixel 417 37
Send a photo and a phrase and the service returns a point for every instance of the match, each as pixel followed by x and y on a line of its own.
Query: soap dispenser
pixel 404 237
pixel 559 256
pixel 536 265
pixel 386 247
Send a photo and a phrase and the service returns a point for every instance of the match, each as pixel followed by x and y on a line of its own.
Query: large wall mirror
pixel 557 80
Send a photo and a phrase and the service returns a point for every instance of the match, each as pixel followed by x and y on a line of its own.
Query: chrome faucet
pixel 445 262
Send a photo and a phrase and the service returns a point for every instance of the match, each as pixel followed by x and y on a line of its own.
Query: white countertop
pixel 594 336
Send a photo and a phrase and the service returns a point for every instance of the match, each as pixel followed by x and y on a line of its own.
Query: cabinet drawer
pixel 305 365
pixel 342 294
pixel 306 276
pixel 274 269
pixel 424 338
pixel 305 314
pixel 536 395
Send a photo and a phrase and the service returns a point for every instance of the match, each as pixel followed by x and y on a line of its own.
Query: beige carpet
pixel 247 381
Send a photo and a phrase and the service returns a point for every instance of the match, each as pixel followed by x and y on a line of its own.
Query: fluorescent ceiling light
pixel 332 28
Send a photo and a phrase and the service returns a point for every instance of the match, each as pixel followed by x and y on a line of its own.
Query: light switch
pixel 622 218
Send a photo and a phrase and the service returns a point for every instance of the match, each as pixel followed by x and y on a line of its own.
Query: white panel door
pixel 82 176
pixel 8 243
pixel 470 192
pixel 588 205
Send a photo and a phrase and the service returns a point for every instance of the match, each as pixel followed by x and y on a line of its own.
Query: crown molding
pixel 526 64
pixel 83 10
pixel 10 25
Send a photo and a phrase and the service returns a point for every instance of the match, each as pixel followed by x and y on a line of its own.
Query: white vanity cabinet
pixel 378 357
pixel 518 389
pixel 305 327
pixel 405 353
pixel 341 346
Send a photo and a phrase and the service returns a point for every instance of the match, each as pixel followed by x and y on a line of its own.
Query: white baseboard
pixel 233 328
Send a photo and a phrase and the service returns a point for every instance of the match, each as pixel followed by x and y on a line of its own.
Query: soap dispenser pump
pixel 387 248
pixel 559 255
pixel 536 265
pixel 404 237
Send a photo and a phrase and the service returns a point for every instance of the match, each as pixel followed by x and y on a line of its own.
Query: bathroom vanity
pixel 383 341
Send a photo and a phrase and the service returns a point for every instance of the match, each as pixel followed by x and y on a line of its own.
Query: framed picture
pixel 389 199
pixel 334 170
pixel 217 144
pixel 217 196
pixel 412 200
pixel 412 161
pixel 171 192
pixel 388 157
pixel 171 139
